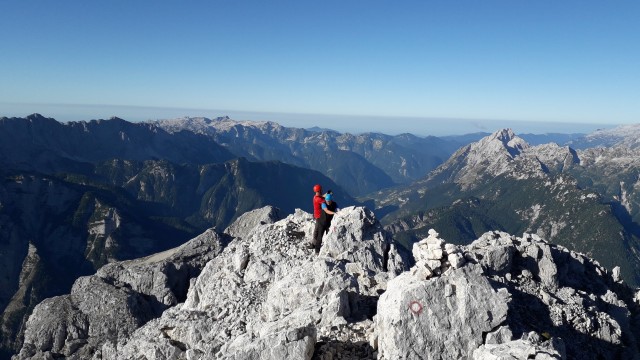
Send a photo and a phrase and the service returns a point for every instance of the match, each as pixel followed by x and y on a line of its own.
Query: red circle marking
pixel 415 307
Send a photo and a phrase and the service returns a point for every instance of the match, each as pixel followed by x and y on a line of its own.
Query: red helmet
pixel 317 188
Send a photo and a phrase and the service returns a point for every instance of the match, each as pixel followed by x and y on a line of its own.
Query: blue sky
pixel 392 66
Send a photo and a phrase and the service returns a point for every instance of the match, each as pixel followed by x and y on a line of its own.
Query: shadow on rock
pixel 363 307
pixel 344 350
pixel 585 308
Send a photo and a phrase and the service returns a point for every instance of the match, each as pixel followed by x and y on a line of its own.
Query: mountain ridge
pixel 519 188
pixel 384 159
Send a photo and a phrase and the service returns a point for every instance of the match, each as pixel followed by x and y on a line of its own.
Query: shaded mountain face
pixel 36 143
pixel 215 194
pixel 615 173
pixel 359 163
pixel 501 182
pixel 53 231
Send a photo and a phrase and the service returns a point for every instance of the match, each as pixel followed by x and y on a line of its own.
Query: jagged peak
pixel 492 155
pixel 508 141
pixel 38 117
pixel 503 135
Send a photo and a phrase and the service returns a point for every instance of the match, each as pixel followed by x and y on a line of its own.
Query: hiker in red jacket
pixel 329 208
pixel 318 200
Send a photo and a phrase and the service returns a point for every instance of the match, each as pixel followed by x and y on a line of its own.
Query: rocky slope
pixel 72 226
pixel 263 295
pixel 501 182
pixel 624 135
pixel 52 231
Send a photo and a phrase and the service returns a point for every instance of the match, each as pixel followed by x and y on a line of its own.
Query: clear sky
pixel 390 66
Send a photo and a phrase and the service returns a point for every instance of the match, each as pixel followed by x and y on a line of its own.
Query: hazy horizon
pixel 355 124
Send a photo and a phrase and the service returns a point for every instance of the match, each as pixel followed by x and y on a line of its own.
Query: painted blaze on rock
pixel 444 317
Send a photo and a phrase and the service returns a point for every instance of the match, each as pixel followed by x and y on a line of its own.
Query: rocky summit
pixel 256 292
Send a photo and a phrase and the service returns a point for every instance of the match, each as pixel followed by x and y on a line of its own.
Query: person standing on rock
pixel 329 208
pixel 318 201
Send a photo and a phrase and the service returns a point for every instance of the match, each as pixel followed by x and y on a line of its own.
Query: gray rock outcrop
pixel 116 301
pixel 249 220
pixel 267 296
pixel 264 295
pixel 504 297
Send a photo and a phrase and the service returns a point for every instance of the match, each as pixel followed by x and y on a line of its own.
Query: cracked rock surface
pixel 257 292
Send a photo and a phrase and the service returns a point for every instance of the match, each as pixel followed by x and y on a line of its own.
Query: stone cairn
pixel 434 257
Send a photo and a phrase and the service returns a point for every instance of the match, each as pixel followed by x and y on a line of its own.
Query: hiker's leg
pixel 316 230
pixel 318 240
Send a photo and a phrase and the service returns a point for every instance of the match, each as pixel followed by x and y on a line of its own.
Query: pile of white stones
pixel 434 257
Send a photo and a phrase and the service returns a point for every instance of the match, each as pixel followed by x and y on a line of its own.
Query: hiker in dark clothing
pixel 329 208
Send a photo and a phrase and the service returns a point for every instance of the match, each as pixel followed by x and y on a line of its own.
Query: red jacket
pixel 318 200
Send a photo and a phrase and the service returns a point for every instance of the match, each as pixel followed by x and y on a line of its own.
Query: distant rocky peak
pixel 35 116
pixel 509 140
pixel 505 135
pixel 490 156
pixel 500 147
pixel 39 118
pixel 209 126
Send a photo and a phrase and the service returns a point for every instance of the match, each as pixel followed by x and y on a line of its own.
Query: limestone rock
pixel 164 276
pixel 416 321
pixel 263 295
pixel 517 349
pixel 249 220
pixel 561 304
pixel 266 296
pixel 500 336
pixel 112 304
pixel 356 236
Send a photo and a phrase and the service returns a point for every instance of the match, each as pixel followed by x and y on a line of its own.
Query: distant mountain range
pixel 41 144
pixel 359 163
